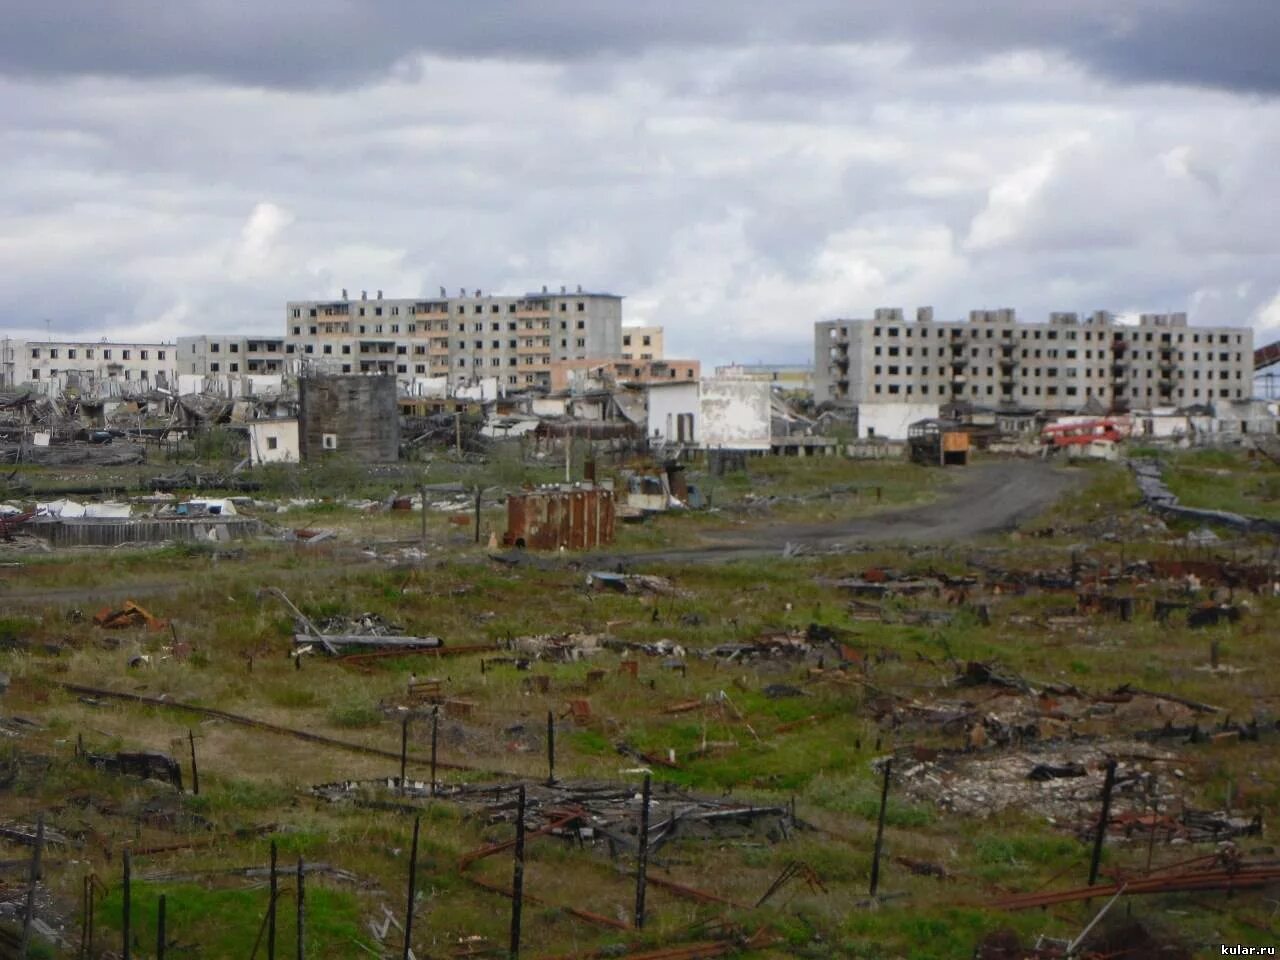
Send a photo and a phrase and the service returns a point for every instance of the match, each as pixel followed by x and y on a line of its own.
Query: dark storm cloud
pixel 300 43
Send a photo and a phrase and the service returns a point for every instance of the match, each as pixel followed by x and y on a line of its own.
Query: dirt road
pixel 989 497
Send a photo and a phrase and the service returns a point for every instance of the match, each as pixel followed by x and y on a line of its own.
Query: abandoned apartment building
pixel 993 359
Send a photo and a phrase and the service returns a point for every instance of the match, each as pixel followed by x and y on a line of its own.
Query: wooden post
pixel 642 851
pixel 32 877
pixel 126 950
pixel 423 492
pixel 884 804
pixel 1103 820
pixel 435 739
pixel 160 934
pixel 413 880
pixel 84 918
pixel 89 951
pixel 195 771
pixel 404 748
pixel 479 495
pixel 271 906
pixel 551 748
pixel 517 880
pixel 457 432
pixel 302 913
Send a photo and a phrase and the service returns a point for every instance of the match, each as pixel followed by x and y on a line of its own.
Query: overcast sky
pixel 737 170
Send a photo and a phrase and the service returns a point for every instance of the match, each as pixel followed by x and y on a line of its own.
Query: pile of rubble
pixel 1061 782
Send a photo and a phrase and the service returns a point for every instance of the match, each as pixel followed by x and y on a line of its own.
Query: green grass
pixel 1225 480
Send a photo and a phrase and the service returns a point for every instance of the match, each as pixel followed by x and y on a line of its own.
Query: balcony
pixel 1010 363
pixel 959 362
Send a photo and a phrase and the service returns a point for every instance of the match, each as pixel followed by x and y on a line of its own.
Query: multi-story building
pixel 642 343
pixel 466 338
pixel 231 353
pixel 994 360
pixel 85 363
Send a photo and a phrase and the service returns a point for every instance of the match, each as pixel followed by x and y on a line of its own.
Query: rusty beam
pixel 495 848
pixel 244 721
pixel 691 893
pixel 1245 878
pixel 584 915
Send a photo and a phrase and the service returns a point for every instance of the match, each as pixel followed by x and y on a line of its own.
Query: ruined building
pixel 994 360
pixel 349 416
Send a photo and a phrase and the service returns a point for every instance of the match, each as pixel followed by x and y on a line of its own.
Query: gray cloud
pixel 736 179
pixel 302 43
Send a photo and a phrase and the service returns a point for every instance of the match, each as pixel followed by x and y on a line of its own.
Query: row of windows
pixel 1126 336
pixel 1071 373
pixel 342 309
pixel 1135 394
pixel 442 327
pixel 1224 356
pixel 646 338
pixel 128 374
pixel 89 351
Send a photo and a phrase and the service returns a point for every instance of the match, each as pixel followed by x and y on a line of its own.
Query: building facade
pixel 993 360
pixel 466 338
pixel 565 373
pixel 230 353
pixel 85 364
pixel 642 343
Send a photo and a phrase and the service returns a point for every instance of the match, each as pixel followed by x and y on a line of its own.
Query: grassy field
pixel 1225 480
pixel 768 731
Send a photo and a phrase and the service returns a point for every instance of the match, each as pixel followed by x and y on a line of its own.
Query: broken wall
pixel 352 416
pixel 736 414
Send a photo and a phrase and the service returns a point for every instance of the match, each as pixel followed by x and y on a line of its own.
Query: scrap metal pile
pixel 597 814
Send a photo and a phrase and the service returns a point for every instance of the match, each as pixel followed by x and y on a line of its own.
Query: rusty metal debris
pixel 1234 875
pixel 129 615
pixel 598 814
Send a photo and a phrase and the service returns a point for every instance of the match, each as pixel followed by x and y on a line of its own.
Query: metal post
pixel 551 748
pixel 302 912
pixel 32 877
pixel 479 495
pixel 413 881
pixel 517 880
pixel 884 804
pixel 642 852
pixel 271 906
pixel 126 950
pixel 1103 820
pixel 160 935
pixel 435 739
pixel 195 771
pixel 404 748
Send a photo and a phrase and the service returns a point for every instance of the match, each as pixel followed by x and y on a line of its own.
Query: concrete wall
pixel 667 403
pixel 352 416
pixel 890 420
pixel 274 441
pixel 736 415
